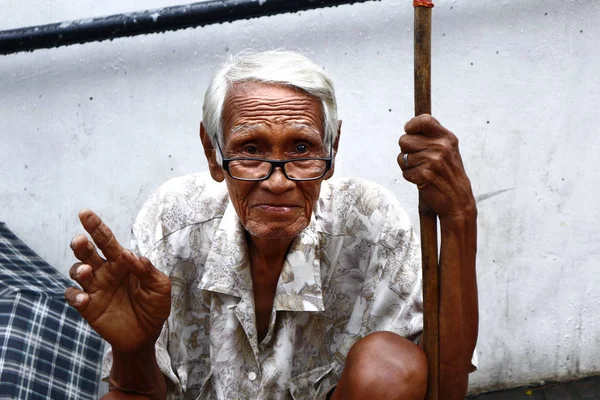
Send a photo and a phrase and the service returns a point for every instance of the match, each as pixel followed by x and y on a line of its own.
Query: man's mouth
pixel 277 208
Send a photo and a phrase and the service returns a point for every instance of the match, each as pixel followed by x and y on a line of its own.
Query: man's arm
pixel 431 159
pixel 126 301
pixel 118 395
pixel 137 373
pixel 459 317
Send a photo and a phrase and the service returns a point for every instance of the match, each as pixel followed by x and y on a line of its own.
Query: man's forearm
pixel 459 316
pixel 138 373
pixel 118 395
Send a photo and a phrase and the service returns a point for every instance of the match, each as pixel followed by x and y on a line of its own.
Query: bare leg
pixel 385 366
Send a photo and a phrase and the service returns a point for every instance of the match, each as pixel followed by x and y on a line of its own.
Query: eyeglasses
pixel 258 169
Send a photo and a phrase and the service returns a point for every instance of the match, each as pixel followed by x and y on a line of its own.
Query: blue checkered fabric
pixel 47 351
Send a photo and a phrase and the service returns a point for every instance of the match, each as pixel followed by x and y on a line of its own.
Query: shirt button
pixel 252 376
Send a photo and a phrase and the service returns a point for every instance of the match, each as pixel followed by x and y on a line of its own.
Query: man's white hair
pixel 275 67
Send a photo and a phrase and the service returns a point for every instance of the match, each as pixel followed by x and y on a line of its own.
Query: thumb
pixel 149 277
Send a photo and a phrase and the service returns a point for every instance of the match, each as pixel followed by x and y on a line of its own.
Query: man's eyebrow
pixel 246 128
pixel 304 127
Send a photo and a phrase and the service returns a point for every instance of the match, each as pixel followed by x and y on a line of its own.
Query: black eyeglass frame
pixel 278 163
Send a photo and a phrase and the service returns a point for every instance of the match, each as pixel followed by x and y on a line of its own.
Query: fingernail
pixel 80 270
pixel 80 298
pixel 77 238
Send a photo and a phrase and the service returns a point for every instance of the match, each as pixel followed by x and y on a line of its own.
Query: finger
pixel 77 299
pixel 149 277
pixel 101 234
pixel 417 176
pixel 82 274
pixel 403 161
pixel 427 179
pixel 445 147
pixel 412 160
pixel 85 251
pixel 438 163
pixel 415 143
pixel 426 125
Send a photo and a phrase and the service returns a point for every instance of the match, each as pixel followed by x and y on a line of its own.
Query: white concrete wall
pixel 101 125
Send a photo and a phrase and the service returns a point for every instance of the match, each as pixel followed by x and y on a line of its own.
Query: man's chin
pixel 275 232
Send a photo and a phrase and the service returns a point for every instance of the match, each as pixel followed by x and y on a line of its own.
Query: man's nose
pixel 277 182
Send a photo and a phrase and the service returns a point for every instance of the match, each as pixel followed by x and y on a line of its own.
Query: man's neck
pixel 266 258
pixel 266 262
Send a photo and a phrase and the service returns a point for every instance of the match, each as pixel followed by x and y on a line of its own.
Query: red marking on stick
pixel 423 3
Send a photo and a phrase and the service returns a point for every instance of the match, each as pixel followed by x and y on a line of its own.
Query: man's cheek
pixel 308 211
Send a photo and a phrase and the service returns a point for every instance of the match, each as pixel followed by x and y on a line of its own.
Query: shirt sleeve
pixel 399 296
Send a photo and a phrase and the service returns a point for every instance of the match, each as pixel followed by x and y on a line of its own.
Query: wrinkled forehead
pixel 250 106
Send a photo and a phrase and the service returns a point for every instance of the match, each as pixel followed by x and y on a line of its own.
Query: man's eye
pixel 251 149
pixel 301 148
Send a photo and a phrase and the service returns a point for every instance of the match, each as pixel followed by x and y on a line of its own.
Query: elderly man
pixel 280 283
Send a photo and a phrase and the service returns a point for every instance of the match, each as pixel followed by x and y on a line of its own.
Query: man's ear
pixel 210 152
pixel 336 143
pixel 337 139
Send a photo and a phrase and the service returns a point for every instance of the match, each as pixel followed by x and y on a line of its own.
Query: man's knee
pixel 387 364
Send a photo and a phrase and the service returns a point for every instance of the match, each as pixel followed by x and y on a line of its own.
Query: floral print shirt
pixel 354 270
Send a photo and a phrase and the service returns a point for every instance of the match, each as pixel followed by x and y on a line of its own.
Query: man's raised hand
pixel 123 297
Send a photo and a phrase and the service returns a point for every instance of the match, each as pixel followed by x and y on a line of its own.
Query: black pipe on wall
pixel 151 21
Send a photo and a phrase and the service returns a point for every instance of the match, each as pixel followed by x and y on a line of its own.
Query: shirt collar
pixel 227 267
pixel 299 287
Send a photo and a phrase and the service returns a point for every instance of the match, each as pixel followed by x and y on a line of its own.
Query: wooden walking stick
pixel 427 218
